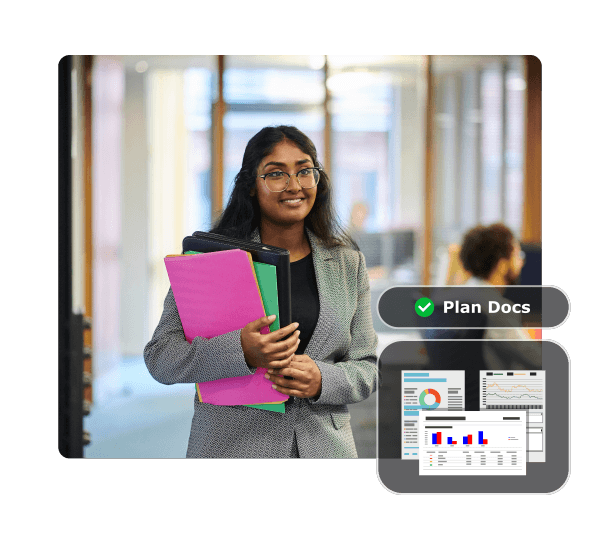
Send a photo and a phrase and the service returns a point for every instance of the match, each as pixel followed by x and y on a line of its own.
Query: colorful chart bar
pixel 470 439
pixel 428 380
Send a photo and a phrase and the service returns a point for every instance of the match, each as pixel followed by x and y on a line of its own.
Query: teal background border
pixel 166 503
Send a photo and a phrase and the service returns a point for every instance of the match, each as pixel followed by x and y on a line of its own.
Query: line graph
pixel 500 390
pixel 519 390
pixel 519 396
pixel 509 388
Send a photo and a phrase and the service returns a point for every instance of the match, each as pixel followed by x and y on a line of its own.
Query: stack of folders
pixel 217 293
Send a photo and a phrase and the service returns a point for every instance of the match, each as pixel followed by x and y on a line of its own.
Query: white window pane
pixel 491 146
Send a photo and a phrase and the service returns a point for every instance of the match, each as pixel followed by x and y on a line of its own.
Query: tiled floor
pixel 149 420
pixel 145 420
pixel 156 424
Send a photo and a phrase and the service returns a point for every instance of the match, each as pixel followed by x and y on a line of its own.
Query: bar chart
pixel 436 439
pixel 472 443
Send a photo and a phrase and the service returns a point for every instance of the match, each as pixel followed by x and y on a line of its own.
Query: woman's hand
pixel 306 378
pixel 273 350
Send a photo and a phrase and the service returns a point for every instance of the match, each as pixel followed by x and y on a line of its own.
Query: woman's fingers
pixel 288 383
pixel 273 350
pixel 303 376
pixel 285 345
pixel 288 371
pixel 288 387
pixel 280 364
pixel 289 391
pixel 255 326
pixel 287 352
pixel 281 333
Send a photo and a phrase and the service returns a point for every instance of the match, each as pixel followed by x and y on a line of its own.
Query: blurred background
pixel 419 150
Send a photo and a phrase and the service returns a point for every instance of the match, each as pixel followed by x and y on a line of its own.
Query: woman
pixel 325 359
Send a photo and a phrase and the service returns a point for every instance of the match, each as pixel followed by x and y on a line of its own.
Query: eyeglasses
pixel 278 181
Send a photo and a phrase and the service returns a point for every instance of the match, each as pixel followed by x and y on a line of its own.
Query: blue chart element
pixel 428 380
pixel 410 374
pixel 434 436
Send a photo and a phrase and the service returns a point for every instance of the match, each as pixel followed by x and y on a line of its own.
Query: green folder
pixel 266 275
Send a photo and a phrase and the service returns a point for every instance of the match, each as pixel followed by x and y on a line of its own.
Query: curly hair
pixel 483 247
pixel 242 213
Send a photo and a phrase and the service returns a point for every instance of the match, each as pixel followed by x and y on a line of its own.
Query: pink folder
pixel 217 293
pixel 253 389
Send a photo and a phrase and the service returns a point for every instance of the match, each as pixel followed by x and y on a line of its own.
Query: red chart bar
pixel 454 443
pixel 439 438
pixel 484 441
pixel 470 440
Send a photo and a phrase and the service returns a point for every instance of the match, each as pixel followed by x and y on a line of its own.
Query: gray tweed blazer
pixel 343 346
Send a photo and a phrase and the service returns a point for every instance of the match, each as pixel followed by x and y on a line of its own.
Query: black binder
pixel 272 255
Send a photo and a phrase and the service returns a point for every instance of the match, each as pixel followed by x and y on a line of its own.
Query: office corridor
pixel 146 419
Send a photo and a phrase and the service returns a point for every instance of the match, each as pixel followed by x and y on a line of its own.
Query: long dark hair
pixel 242 213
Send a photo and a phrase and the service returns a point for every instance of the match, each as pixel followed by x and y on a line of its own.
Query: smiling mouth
pixel 293 201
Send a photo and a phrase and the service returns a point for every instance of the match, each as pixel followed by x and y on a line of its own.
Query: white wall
pixel 134 331
pixel 107 105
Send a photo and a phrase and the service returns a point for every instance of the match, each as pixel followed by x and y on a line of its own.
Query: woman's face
pixel 292 205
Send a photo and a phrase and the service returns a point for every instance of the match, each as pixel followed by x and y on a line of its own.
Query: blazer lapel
pixel 325 272
pixel 327 276
pixel 255 235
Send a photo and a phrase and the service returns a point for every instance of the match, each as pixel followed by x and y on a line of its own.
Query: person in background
pixel 364 241
pixel 325 359
pixel 455 272
pixel 491 255
pixel 493 258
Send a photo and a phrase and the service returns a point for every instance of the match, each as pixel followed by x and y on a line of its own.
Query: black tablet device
pixel 272 255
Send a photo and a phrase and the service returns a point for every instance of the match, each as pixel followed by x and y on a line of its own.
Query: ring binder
pixel 200 241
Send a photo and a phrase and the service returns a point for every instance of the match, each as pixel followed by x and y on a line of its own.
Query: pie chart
pixel 429 404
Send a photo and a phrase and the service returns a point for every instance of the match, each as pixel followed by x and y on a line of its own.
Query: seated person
pixel 455 273
pixel 493 258
pixel 368 243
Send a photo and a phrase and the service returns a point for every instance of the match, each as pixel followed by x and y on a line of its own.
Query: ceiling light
pixel 141 66
pixel 316 62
